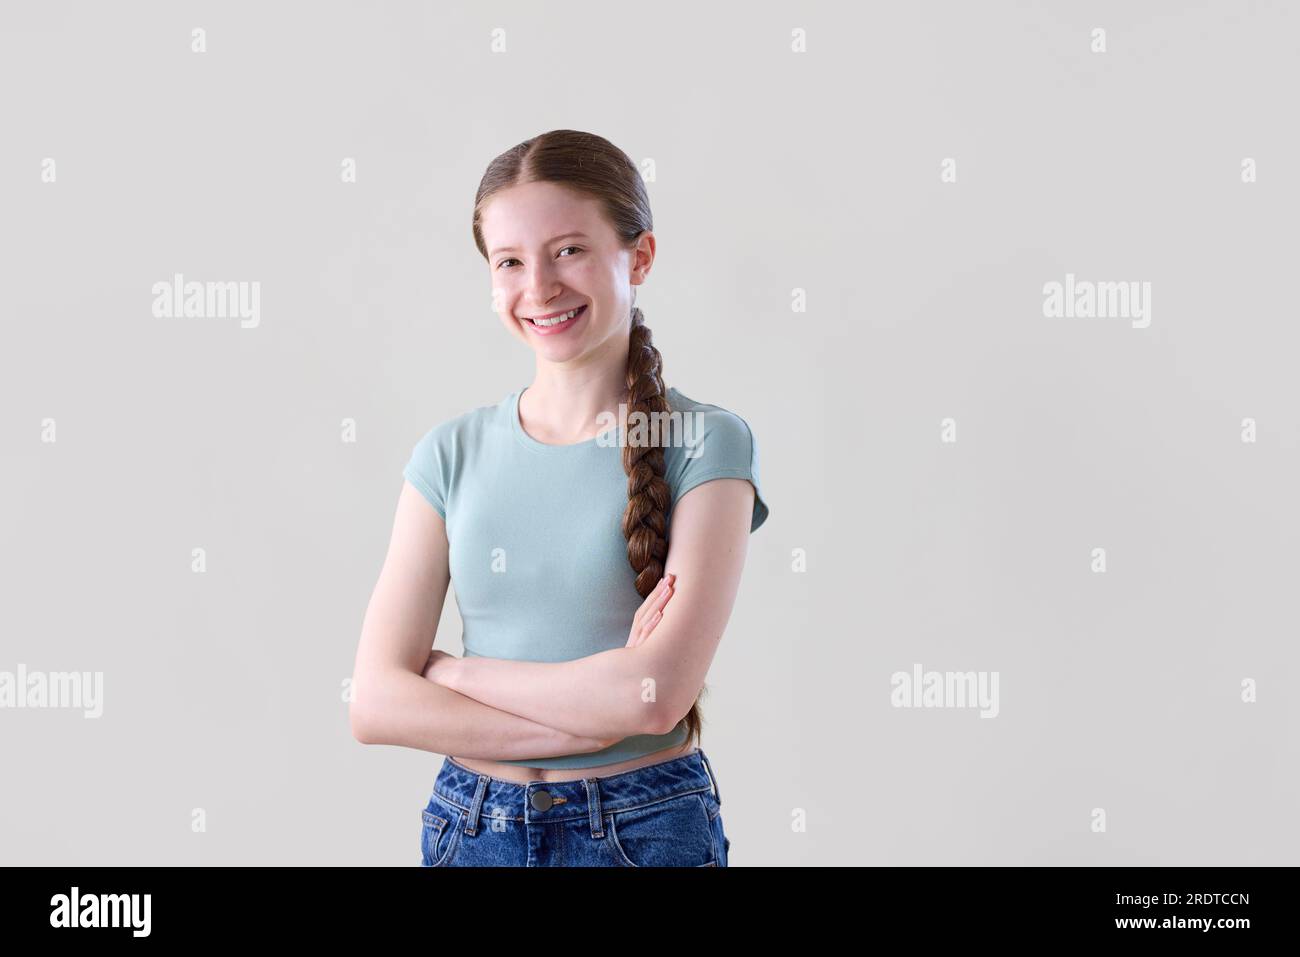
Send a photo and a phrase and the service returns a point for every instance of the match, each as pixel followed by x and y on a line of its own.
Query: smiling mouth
pixel 557 320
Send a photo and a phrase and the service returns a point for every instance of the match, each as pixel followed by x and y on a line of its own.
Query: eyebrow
pixel 553 239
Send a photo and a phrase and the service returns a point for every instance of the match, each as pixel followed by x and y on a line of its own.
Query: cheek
pixel 590 277
pixel 503 306
pixel 503 296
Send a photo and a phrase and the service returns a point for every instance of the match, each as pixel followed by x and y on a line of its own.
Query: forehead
pixel 529 214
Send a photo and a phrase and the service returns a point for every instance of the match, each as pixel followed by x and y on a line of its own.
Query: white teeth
pixel 557 320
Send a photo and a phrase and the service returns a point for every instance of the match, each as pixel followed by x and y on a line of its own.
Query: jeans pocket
pixel 675 832
pixel 438 834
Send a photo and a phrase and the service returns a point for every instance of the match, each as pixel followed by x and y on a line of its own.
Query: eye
pixel 502 263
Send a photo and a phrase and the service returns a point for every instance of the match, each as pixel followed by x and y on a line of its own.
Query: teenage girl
pixel 594 524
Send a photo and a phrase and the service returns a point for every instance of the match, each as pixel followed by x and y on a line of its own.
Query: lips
pixel 552 315
pixel 555 327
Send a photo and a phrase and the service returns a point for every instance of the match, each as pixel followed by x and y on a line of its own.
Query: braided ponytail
pixel 645 521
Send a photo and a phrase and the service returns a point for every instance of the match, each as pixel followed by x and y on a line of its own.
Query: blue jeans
pixel 661 815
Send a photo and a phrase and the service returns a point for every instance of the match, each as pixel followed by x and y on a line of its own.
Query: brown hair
pixel 590 164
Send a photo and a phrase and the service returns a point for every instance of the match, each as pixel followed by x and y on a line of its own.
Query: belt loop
pixel 593 807
pixel 717 792
pixel 471 822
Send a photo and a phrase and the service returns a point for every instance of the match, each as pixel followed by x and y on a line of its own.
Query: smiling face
pixel 551 251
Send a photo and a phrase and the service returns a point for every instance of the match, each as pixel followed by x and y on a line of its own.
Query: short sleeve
pixel 427 469
pixel 721 445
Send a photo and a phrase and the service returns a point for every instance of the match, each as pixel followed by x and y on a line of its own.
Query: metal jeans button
pixel 541 800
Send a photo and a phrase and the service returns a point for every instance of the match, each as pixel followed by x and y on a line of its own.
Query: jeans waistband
pixel 537 802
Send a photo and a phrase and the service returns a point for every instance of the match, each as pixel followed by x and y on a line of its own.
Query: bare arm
pixel 602 693
pixel 647 687
pixel 392 702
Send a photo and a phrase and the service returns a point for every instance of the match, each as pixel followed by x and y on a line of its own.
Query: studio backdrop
pixel 1004 290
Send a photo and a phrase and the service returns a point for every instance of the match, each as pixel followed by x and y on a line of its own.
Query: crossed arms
pixel 521 709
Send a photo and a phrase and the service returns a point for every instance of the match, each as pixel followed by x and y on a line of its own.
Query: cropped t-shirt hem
pixel 637 746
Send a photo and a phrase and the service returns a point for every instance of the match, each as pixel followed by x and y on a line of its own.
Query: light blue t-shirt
pixel 537 555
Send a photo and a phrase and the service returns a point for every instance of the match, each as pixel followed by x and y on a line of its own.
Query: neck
pixel 565 401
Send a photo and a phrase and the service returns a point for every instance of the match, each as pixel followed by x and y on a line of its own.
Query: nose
pixel 541 286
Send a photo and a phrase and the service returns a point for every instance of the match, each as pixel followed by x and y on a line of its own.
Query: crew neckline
pixel 532 443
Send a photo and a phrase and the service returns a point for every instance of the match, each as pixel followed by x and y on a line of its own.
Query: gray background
pixel 774 171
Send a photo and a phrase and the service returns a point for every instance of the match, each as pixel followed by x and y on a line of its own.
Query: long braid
pixel 645 521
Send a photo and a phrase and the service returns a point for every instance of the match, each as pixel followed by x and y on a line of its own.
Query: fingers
pixel 652 610
pixel 648 606
pixel 665 591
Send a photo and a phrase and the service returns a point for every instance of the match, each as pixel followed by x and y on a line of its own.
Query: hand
pixel 439 667
pixel 651 611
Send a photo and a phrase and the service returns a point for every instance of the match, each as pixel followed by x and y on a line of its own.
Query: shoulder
pixel 450 433
pixel 709 434
pixel 438 456
pixel 709 441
